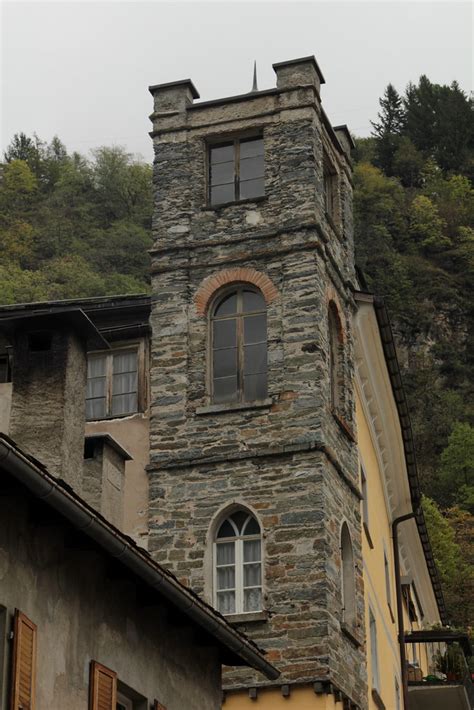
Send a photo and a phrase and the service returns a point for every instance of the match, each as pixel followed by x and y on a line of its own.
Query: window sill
pixel 234 406
pixel 349 631
pixel 111 417
pixel 247 617
pixel 377 699
pixel 344 426
pixel 248 200
pixel 368 536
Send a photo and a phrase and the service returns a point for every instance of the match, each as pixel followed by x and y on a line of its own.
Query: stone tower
pixel 253 220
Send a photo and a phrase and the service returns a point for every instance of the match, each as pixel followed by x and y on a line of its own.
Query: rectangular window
pixel 112 384
pixel 388 590
pixel 330 188
pixel 374 661
pixel 5 370
pixel 236 170
pixel 365 497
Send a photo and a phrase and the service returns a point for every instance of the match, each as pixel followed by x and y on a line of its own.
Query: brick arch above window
pixel 211 284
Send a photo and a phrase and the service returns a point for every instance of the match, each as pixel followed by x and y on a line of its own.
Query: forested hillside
pixel 72 226
pixel 414 216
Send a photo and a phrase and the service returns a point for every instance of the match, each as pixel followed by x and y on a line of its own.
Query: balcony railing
pixel 438 670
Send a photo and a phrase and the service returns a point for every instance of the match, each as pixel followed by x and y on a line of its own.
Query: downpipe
pixel 398 589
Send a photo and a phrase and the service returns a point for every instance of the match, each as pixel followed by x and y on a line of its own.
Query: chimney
pixel 49 359
pixel 104 476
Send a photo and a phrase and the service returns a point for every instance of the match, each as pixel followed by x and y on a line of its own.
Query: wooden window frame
pixel 234 141
pixel 374 655
pixel 127 703
pixel 238 565
pixel 239 316
pixel 139 349
pixel 97 669
pixel 20 620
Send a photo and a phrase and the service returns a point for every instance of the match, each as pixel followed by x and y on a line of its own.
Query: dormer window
pixel 236 170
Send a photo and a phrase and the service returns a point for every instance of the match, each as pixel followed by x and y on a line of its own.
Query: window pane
pixel 255 329
pixel 96 387
pixel 251 147
pixel 252 527
pixel 251 188
pixel 124 383
pixel 222 173
pixel 225 362
pixel 253 301
pixel 222 154
pixel 252 575
pixel 226 602
pixel 125 362
pixel 226 530
pixel 224 333
pixel 225 389
pixel 124 403
pixel 96 366
pixel 251 168
pixel 255 387
pixel 255 359
pixel 95 408
pixel 225 552
pixel 227 307
pixel 226 578
pixel 239 519
pixel 222 193
pixel 251 550
pixel 252 600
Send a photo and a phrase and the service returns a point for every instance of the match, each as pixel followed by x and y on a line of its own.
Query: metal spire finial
pixel 254 85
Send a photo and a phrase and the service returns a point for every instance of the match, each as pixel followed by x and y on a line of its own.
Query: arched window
pixel 238 565
pixel 335 356
pixel 239 346
pixel 348 577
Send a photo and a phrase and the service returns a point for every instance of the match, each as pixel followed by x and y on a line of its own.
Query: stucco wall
pixel 132 433
pixel 84 610
pixel 374 572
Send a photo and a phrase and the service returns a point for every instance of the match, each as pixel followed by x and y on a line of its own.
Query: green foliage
pixel 388 129
pixel 455 567
pixel 414 238
pixel 457 466
pixel 72 227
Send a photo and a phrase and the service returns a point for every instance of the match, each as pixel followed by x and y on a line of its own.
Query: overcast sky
pixel 81 70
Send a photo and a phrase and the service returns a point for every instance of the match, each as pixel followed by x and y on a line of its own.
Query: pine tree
pixel 388 129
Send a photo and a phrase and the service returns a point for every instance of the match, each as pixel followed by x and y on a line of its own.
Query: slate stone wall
pixel 291 460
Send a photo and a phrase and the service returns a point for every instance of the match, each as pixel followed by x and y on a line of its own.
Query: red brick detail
pixel 212 283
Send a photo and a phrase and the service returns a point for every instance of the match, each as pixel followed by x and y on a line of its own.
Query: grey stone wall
pixel 48 403
pixel 292 461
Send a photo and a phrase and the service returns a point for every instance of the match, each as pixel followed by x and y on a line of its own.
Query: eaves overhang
pixel 235 648
pixel 393 368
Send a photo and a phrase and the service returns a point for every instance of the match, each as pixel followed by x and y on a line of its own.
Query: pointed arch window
pixel 348 577
pixel 335 357
pixel 239 346
pixel 238 565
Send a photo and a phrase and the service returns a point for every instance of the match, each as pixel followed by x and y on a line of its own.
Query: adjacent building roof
pixel 236 649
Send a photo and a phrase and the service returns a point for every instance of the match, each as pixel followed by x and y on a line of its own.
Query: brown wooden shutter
pixel 24 663
pixel 103 688
pixel 158 706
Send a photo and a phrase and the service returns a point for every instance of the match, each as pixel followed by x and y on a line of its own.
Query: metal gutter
pixel 62 498
pixel 388 345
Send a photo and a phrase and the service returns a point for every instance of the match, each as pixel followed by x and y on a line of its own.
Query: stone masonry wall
pixel 293 461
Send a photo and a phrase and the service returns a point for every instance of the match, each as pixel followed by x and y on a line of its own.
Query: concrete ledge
pixel 234 406
pixel 246 618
